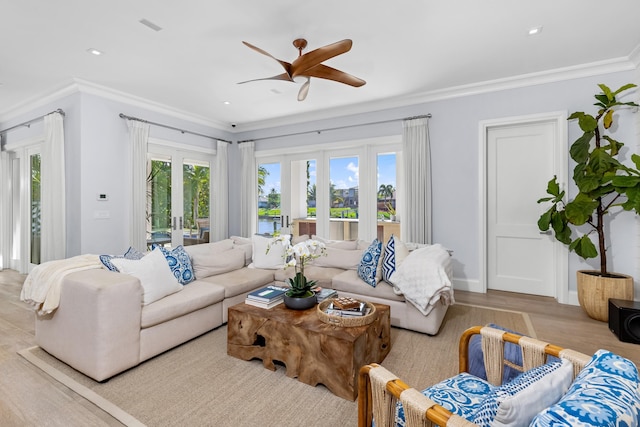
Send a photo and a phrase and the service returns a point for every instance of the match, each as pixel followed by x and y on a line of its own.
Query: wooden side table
pixel 313 351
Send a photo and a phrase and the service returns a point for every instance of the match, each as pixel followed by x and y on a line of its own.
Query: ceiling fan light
pixel 304 90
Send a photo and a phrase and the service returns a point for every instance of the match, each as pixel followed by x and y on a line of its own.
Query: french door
pixel 24 208
pixel 178 196
pixel 287 195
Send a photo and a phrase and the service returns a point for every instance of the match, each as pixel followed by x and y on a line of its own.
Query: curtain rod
pixel 425 116
pixel 28 122
pixel 124 116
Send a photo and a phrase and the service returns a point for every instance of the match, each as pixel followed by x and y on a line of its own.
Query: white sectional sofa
pixel 103 326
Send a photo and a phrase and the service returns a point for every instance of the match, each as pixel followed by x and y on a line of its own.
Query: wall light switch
pixel 102 214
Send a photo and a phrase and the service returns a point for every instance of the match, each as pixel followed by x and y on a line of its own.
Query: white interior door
pixel 520 161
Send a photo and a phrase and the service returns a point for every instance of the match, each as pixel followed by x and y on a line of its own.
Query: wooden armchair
pixel 380 390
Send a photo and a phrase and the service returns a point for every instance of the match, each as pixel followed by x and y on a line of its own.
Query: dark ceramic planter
pixel 299 303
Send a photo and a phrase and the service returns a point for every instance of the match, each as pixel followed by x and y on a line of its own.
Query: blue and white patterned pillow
pixel 605 393
pixel 389 260
pixel 180 264
pixel 462 395
pixel 369 263
pixel 132 253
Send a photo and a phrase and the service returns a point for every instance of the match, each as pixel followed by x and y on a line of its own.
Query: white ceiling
pixel 404 49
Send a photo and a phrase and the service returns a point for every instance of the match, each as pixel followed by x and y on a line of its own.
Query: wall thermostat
pixel 103 197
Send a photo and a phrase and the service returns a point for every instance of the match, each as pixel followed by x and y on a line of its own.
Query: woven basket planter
pixel 594 292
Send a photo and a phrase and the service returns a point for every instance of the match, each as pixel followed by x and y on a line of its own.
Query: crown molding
pixel 531 79
pixel 83 86
pixel 45 98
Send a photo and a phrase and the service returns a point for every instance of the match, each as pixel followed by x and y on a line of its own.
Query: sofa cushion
pixel 368 268
pixel 346 259
pixel 605 393
pixel 322 275
pixel 154 274
pixel 179 263
pixel 241 281
pixel 246 245
pixel 348 281
pixel 207 248
pixel 338 244
pixel 209 264
pixel 197 295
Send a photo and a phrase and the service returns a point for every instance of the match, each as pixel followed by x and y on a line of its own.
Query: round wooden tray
pixel 346 321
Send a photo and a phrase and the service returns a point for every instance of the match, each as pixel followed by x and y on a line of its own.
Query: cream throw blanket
pixel 423 278
pixel 41 288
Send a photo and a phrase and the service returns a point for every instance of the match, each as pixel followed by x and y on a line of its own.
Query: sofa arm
pixel 96 328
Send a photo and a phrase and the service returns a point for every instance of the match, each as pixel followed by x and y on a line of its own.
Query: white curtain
pixel 138 141
pixel 220 205
pixel 5 205
pixel 416 220
pixel 248 189
pixel 52 199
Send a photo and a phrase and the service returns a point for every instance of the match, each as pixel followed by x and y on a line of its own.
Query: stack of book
pixel 266 297
pixel 347 307
pixel 322 294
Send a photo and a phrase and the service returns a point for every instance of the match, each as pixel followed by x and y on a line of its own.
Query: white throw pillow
pixel 522 407
pixel 261 259
pixel 154 274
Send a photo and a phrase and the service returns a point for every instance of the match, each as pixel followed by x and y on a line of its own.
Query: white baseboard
pixel 467 285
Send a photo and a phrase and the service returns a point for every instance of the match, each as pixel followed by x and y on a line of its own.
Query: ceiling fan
pixel 310 65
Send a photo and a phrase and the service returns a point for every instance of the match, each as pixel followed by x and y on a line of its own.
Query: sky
pixel 344 172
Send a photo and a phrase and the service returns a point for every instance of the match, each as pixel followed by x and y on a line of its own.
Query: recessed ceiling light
pixel 150 24
pixel 94 51
pixel 535 30
pixel 227 103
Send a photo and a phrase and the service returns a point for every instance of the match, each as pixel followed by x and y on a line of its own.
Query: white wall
pixel 97 156
pixel 455 157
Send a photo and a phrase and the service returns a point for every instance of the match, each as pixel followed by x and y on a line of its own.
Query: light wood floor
pixel 28 397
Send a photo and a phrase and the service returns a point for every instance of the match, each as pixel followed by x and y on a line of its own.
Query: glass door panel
pixel 34 257
pixel 196 176
pixel 269 199
pixel 159 185
pixel 343 198
pixel 387 197
pixel 303 197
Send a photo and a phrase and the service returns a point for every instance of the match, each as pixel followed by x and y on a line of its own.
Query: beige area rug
pixel 198 384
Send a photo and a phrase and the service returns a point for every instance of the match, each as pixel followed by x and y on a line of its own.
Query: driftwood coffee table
pixel 313 351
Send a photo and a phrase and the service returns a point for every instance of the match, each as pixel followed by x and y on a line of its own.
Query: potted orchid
pixel 300 295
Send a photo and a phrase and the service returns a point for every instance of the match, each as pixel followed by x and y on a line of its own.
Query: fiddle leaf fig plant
pixel 603 182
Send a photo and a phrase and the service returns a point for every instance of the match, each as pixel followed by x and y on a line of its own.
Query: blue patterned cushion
pixel 369 263
pixel 516 403
pixel 461 395
pixel 605 393
pixel 180 264
pixel 132 253
pixel 389 260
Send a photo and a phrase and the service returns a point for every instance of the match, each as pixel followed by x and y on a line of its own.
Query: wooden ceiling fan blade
pixel 315 57
pixel 283 76
pixel 304 90
pixel 285 64
pixel 325 72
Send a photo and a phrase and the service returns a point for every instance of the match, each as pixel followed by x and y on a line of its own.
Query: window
pixel 331 191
